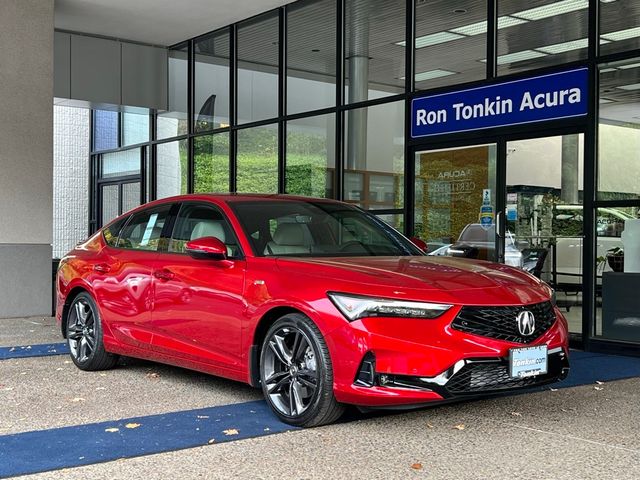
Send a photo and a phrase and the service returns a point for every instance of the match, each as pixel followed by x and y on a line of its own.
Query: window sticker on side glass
pixel 148 230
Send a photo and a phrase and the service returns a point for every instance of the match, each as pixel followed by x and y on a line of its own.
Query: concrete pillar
pixel 26 156
pixel 569 175
pixel 358 60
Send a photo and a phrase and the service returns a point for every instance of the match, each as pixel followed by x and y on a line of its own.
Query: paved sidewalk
pixel 585 432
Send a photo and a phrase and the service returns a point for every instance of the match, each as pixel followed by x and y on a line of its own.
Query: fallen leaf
pixel 417 466
pixel 77 399
pixel 112 430
pixel 69 361
pixel 598 382
pixel 153 375
pixel 102 374
pixel 598 388
pixel 553 389
pixel 101 388
pixel 459 427
pixel 58 369
pixel 211 440
pixel 516 414
pixel 132 425
pixel 429 425
pixel 230 431
pixel 267 429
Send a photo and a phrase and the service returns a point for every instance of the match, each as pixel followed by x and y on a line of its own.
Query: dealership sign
pixel 546 97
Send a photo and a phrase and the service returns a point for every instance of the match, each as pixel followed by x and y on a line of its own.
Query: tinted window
pixel 112 231
pixel 299 228
pixel 197 221
pixel 144 229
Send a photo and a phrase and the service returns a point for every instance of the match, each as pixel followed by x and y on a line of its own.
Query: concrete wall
pixel 26 124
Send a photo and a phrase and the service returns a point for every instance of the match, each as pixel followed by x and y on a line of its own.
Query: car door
pixel 198 303
pixel 124 290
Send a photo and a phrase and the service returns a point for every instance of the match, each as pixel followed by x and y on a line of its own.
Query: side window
pixel 199 220
pixel 112 232
pixel 144 229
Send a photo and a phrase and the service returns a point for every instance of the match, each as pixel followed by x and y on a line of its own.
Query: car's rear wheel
pixel 296 373
pixel 84 335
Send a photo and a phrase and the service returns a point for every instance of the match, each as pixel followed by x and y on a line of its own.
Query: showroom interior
pixel 314 98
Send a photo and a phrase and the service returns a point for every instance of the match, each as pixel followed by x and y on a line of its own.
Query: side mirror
pixel 421 244
pixel 209 248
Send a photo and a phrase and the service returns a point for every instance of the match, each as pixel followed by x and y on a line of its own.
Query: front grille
pixel 500 322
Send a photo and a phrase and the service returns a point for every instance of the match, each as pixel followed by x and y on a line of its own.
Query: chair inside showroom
pixel 211 228
pixel 288 239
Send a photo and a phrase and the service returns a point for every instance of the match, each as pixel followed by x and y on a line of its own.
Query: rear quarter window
pixel 112 232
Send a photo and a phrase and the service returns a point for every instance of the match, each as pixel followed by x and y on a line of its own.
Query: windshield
pixel 312 229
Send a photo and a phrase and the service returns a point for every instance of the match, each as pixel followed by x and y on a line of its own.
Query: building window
pixel 311 55
pixel 442 28
pixel 258 53
pixel 105 130
pixel 310 164
pixel 211 95
pixel 258 160
pixel 374 156
pixel 135 128
pixel 374 52
pixel 173 121
pixel 619 26
pixel 619 131
pixel 171 168
pixel 541 33
pixel 211 163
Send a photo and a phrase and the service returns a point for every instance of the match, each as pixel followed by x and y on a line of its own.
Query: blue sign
pixel 547 97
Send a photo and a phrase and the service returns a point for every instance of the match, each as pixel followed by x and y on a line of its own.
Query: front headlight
pixel 354 307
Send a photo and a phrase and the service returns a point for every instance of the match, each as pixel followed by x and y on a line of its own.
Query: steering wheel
pixel 350 244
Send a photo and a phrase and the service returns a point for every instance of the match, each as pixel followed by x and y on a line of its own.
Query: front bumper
pixel 432 362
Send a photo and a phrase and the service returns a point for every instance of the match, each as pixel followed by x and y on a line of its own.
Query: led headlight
pixel 354 307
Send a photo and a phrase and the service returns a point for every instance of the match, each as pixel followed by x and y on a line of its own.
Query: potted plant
pixel 615 259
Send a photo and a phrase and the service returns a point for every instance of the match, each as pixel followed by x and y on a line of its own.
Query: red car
pixel 316 301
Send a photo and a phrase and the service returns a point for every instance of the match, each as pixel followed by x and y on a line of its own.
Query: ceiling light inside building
pixel 553 9
pixel 605 100
pixel 517 56
pixel 632 86
pixel 622 34
pixel 626 67
pixel 564 46
pixel 607 70
pixel 431 74
pixel 433 39
pixel 481 27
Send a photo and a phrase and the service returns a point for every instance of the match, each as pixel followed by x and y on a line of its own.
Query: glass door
pixel 543 227
pixel 455 201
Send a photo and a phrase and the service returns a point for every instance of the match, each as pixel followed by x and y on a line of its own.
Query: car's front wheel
pixel 296 373
pixel 84 335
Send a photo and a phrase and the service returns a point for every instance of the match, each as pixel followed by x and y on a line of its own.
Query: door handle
pixel 101 267
pixel 164 274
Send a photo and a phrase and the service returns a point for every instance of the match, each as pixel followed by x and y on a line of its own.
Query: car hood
pixel 451 279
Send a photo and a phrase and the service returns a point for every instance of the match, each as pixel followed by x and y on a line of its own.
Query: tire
pixel 296 373
pixel 84 335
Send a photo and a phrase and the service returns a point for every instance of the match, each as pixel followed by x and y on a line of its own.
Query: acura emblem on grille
pixel 526 323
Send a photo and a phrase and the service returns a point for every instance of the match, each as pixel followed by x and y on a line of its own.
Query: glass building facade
pixel 314 98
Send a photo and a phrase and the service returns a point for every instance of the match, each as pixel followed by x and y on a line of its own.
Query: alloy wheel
pixel 290 371
pixel 81 331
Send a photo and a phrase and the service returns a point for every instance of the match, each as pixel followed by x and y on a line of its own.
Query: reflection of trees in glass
pixel 307 164
pixel 258 160
pixel 211 163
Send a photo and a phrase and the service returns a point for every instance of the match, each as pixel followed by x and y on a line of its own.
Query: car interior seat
pixel 288 238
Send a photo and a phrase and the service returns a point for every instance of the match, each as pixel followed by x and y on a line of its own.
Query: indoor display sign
pixel 546 97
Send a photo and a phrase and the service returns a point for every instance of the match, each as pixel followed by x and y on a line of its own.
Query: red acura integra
pixel 316 301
